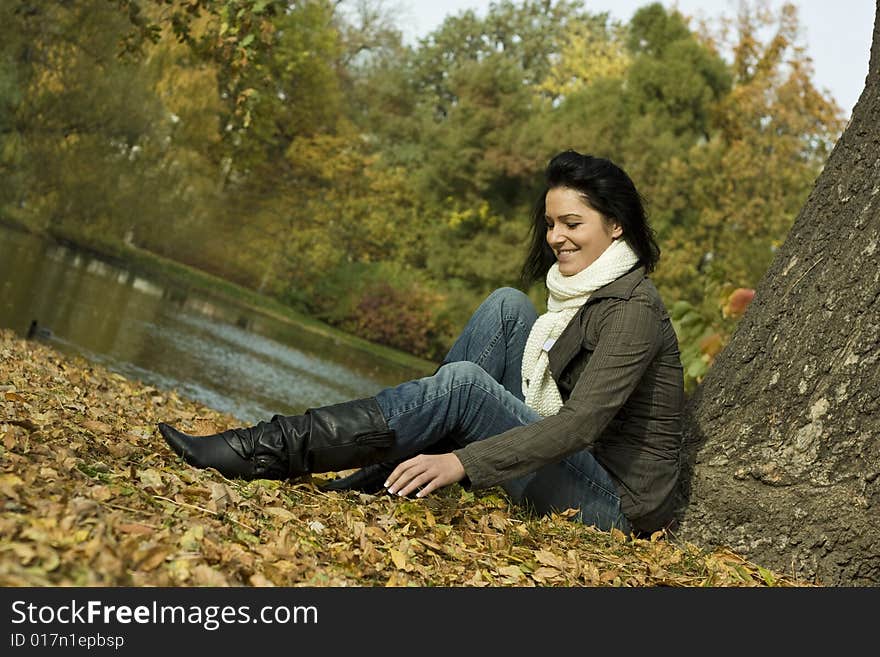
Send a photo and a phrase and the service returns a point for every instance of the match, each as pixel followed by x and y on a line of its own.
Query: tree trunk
pixel 783 435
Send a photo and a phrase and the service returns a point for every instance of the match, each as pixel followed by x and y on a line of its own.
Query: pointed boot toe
pixel 208 452
pixel 176 440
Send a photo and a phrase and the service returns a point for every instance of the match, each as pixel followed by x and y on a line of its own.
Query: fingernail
pixel 387 484
pixel 400 493
pixel 392 491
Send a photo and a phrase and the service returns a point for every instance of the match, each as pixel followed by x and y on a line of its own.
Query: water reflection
pixel 228 357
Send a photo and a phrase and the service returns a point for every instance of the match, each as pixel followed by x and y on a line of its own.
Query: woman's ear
pixel 616 231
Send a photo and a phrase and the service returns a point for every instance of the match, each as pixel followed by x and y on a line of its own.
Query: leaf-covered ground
pixel 91 496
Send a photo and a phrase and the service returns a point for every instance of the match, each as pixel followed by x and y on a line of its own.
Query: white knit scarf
pixel 567 295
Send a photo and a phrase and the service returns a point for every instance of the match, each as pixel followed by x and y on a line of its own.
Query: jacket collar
pixel 620 288
pixel 569 343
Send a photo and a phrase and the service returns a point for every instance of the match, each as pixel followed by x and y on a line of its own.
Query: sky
pixel 837 33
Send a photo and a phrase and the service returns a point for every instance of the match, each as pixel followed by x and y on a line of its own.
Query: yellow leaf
pixel 179 570
pixel 192 538
pixel 396 579
pixel 8 484
pixel 548 559
pixel 512 572
pixel 399 558
pixel 544 573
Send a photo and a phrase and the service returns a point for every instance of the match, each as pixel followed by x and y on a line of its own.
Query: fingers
pixel 425 473
pixel 409 475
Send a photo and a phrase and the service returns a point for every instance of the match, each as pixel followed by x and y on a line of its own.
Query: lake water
pixel 228 357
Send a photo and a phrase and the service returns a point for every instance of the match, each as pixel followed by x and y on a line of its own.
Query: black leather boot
pixel 338 437
pixel 370 479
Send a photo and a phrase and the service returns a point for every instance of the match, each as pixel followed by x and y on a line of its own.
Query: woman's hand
pixel 426 472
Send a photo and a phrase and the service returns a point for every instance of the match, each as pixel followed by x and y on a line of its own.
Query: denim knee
pixel 460 372
pixel 513 303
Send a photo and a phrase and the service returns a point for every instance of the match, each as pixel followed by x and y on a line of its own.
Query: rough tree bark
pixel 783 434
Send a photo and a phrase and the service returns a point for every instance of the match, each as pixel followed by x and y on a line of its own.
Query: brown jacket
pixel 618 369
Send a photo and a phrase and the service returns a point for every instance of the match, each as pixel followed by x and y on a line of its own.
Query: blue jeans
pixel 477 393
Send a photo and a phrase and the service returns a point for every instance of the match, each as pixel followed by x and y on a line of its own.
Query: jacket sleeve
pixel 629 338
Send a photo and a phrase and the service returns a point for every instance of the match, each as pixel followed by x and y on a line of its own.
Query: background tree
pixel 783 431
pixel 303 150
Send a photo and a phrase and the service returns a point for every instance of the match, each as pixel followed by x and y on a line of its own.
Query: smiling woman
pixel 577 233
pixel 579 408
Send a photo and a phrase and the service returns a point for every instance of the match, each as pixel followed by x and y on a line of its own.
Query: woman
pixel 578 408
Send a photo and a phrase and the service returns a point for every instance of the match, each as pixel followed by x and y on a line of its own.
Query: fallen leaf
pixel 513 572
pixel 398 558
pixel 96 426
pixel 152 558
pixel 205 575
pixel 151 478
pixel 135 528
pixel 549 559
pixel 259 580
pixel 8 483
pixel 100 493
pixel 283 514
pixel 192 537
pixel 543 573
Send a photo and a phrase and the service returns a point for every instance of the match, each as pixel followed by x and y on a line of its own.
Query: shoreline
pixel 170 272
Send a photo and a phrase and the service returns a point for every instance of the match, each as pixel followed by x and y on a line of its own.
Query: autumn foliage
pixel 304 148
pixel 91 496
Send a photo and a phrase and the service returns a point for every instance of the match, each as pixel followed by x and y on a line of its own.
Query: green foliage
pixel 691 327
pixel 704 330
pixel 387 304
pixel 301 149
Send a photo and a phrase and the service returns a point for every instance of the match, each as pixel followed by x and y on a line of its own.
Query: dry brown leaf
pixel 100 493
pixel 153 557
pixel 205 575
pixel 514 572
pixel 543 573
pixel 280 512
pixel 203 426
pixel 135 528
pixel 96 426
pixel 84 474
pixel 549 559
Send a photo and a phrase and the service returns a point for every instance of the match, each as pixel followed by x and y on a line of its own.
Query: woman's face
pixel 575 231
